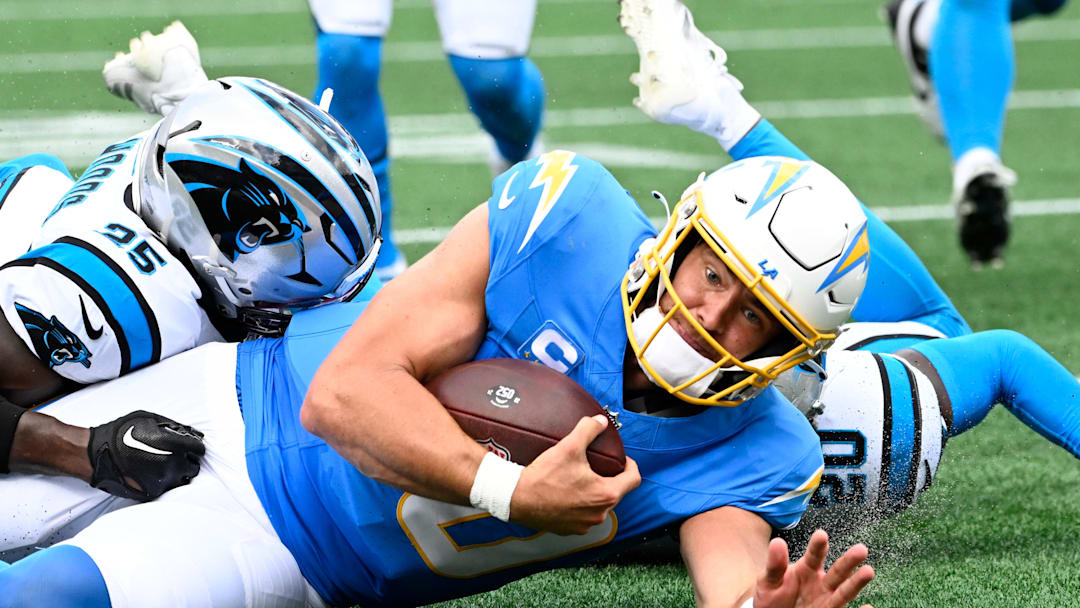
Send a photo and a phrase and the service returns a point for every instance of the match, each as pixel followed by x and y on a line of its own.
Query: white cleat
pixel 903 15
pixel 682 76
pixel 159 70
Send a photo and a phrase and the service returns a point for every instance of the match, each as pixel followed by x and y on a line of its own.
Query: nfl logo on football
pixel 495 448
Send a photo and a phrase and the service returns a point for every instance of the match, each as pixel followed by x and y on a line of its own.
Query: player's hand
pixel 143 455
pixel 559 492
pixel 806 583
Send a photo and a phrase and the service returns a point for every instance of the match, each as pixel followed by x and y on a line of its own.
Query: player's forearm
pixel 393 431
pixel 724 551
pixel 43 444
pixel 24 379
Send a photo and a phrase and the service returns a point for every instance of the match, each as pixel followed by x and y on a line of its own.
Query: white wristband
pixel 494 485
pixel 748 603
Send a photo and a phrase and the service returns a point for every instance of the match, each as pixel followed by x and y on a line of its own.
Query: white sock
pixel 730 117
pixel 980 161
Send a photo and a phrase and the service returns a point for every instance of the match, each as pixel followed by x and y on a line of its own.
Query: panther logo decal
pixel 243 209
pixel 53 343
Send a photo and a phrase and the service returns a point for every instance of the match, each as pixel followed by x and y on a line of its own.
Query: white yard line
pixel 66 10
pixel 76 138
pixel 216 58
pixel 914 213
pixel 25 134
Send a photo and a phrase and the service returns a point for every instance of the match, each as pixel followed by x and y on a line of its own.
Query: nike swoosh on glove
pixel 143 455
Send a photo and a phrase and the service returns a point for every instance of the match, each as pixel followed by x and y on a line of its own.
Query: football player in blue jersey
pixel 959 58
pixel 485 42
pixel 246 194
pixel 339 497
pixel 908 373
pixel 663 329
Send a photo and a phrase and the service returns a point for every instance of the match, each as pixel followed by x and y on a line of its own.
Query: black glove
pixel 156 453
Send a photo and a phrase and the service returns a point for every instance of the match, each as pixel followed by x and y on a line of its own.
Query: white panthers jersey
pixel 881 430
pixel 879 420
pixel 97 295
pixel 27 194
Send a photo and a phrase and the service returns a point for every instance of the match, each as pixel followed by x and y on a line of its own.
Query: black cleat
pixel 983 215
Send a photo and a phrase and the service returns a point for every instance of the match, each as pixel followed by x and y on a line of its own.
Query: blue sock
pixel 765 140
pixel 1022 9
pixel 1002 366
pixel 899 287
pixel 507 95
pixel 971 63
pixel 57 577
pixel 350 65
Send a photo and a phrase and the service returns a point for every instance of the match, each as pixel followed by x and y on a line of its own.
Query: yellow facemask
pixel 671 363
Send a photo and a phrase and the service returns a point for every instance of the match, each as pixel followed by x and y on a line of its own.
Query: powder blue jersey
pixel 562 234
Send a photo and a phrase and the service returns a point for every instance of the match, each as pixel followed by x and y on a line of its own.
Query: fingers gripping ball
pixel 518 409
pixel 143 455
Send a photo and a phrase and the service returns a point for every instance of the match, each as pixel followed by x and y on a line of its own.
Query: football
pixel 518 409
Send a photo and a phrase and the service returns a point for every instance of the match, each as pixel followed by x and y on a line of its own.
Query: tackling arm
pixel 43 444
pixel 31 442
pixel 24 379
pixel 139 456
pixel 36 443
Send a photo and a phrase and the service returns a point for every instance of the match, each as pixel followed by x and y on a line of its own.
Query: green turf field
pixel 1001 526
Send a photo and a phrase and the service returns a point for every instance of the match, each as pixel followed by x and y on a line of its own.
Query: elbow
pixel 322 413
pixel 317 410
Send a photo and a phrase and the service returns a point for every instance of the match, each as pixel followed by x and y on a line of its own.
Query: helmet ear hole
pixel 692 240
pixel 159 161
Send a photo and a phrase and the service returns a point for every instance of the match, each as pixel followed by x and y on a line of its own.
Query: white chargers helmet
pixel 792 233
pixel 267 198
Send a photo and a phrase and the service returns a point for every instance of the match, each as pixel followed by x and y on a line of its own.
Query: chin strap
pixel 263 323
pixel 669 355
